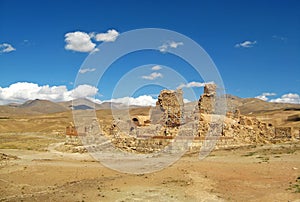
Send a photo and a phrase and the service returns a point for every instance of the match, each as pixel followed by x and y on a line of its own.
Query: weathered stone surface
pixel 296 132
pixel 210 89
pixel 283 132
pixel 171 103
pixel 140 120
pixel 165 125
pixel 208 99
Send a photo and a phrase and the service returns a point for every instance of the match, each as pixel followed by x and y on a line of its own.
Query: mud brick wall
pixel 283 132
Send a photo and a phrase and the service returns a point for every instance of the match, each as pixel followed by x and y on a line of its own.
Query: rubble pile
pixel 146 145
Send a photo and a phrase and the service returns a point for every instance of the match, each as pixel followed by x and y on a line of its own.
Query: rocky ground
pixel 254 173
pixel 37 165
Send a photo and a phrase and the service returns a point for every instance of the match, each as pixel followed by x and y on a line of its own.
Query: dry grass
pixel 28 141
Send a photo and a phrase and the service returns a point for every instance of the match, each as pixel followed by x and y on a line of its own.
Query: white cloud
pixel 170 44
pixel 288 98
pixel 109 36
pixel 193 84
pixel 96 101
pixel 153 76
pixel 6 48
pixel 95 50
pixel 163 48
pixel 79 41
pixel 82 42
pixel 186 100
pixel 174 44
pixel 26 43
pixel 246 44
pixel 265 96
pixel 281 38
pixel 156 68
pixel 143 100
pixel 22 91
pixel 83 71
pixel 83 91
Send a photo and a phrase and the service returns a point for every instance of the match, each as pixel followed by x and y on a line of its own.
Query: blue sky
pixel 254 44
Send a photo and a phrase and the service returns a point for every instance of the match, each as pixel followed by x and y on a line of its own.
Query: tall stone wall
pixel 171 103
pixel 207 100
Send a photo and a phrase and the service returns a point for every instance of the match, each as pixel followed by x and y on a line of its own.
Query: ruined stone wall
pixel 150 145
pixel 283 132
pixel 207 100
pixel 230 130
pixel 171 103
pixel 296 132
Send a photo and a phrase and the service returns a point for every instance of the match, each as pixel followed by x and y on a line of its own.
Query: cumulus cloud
pixel 156 68
pixel 245 44
pixel 193 84
pixel 83 91
pixel 109 36
pixel 143 100
pixel 186 100
pixel 288 98
pixel 95 50
pixel 6 48
pixel 23 91
pixel 170 44
pixel 79 41
pixel 82 42
pixel 174 44
pixel 83 71
pixel 153 76
pixel 265 96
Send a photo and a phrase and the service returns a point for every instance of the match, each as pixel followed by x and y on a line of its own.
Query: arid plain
pixel 34 169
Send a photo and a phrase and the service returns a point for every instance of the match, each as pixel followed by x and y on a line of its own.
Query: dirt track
pixel 266 173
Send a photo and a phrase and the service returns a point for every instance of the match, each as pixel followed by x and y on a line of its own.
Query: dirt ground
pixel 260 173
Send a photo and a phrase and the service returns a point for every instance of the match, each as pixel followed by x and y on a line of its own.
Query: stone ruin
pixel 141 120
pixel 296 132
pixel 171 103
pixel 232 129
pixel 283 132
pixel 207 100
pixel 286 132
pixel 73 143
pixel 168 120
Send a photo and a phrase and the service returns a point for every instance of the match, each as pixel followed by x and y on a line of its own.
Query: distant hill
pixel 254 105
pixel 86 104
pixel 245 105
pixel 31 107
pixel 114 105
pixel 79 104
pixel 42 106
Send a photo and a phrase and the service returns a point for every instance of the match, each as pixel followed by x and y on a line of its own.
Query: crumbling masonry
pixel 171 103
pixel 168 121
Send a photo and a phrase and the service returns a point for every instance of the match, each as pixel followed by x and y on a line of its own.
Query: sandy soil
pixel 262 173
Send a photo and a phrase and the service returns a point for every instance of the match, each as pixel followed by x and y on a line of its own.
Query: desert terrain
pixel 33 168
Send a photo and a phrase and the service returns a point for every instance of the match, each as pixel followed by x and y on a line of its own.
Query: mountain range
pixel 32 107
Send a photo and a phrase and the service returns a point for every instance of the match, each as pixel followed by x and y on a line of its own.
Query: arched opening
pixel 136 121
